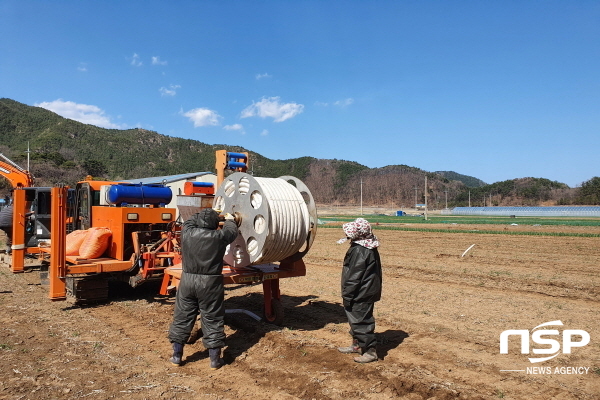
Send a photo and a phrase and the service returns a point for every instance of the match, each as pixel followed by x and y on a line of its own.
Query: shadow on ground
pixel 302 313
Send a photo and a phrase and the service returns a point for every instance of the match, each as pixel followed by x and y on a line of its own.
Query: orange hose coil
pixel 74 241
pixel 96 242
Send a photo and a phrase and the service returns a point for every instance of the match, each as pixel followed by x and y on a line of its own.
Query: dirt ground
pixel 438 328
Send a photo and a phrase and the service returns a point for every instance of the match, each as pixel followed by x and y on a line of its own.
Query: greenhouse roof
pixel 551 211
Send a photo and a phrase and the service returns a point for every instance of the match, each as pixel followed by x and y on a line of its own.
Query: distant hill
pixel 469 181
pixel 63 146
pixel 519 192
pixel 65 151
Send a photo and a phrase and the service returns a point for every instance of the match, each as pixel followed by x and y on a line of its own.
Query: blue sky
pixel 492 89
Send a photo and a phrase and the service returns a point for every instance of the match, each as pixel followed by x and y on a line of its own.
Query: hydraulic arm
pixel 17 176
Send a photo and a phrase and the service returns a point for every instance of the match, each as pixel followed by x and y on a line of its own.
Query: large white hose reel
pixel 278 218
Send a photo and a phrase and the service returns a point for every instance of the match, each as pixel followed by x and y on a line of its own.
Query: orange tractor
pixel 142 242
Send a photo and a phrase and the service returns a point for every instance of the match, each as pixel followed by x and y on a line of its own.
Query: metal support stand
pixel 273 308
pixel 18 247
pixel 58 265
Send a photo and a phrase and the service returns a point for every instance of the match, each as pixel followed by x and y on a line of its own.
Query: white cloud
pixel 271 107
pixel 157 61
pixel 135 60
pixel 85 113
pixel 169 91
pixel 203 117
pixel 82 67
pixel 340 103
pixel 235 127
pixel 261 76
pixel 264 132
pixel 344 103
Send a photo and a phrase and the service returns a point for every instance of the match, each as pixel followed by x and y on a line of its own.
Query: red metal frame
pixel 155 258
pixel 189 189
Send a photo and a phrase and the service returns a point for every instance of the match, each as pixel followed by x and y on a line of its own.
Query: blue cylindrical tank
pixel 236 155
pixel 139 194
pixel 203 184
pixel 235 164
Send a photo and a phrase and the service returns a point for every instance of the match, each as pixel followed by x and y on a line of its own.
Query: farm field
pixel 438 325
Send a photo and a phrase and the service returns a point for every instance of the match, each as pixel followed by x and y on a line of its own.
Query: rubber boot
pixel 367 357
pixel 353 348
pixel 216 361
pixel 177 354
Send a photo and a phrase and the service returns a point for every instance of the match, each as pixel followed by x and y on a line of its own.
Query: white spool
pixel 278 218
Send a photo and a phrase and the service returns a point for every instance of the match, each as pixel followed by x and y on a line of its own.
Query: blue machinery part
pixel 203 184
pixel 128 193
pixel 236 155
pixel 233 160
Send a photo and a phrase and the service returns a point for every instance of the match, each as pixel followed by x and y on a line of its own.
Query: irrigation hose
pixel 277 217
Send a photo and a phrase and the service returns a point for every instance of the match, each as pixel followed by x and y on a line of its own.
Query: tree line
pixel 65 151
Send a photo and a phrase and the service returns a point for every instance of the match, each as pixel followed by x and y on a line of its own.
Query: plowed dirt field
pixel 438 326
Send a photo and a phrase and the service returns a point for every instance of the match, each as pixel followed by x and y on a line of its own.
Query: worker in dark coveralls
pixel 201 289
pixel 361 288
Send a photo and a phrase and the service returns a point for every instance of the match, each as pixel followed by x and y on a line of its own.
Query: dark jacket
pixel 203 245
pixel 361 275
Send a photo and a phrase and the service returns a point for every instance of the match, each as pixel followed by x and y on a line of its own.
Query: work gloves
pixel 229 217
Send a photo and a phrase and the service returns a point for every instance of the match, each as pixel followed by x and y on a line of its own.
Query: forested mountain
pixel 65 151
pixel 469 181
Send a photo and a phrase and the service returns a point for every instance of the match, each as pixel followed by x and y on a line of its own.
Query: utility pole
pixel 361 197
pixel 425 197
pixel 446 191
pixel 469 198
pixel 28 155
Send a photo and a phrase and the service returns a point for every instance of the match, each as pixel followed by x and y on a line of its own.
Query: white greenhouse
pixel 555 211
